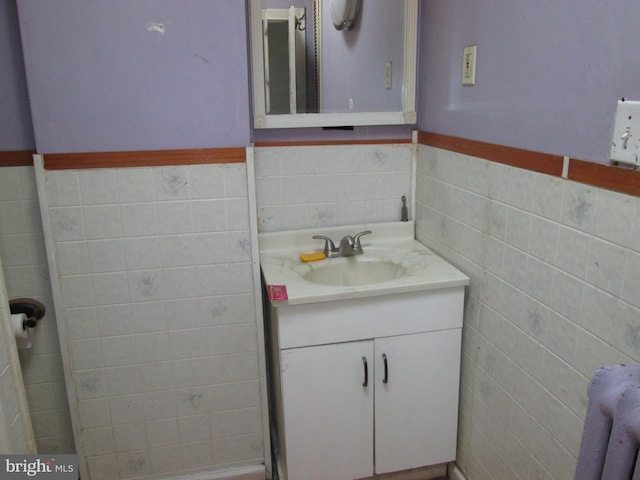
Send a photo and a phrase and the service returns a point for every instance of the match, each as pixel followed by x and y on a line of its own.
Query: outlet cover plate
pixel 469 65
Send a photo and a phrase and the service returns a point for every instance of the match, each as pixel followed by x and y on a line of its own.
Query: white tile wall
pixel 27 275
pixel 156 277
pixel 154 265
pixel 15 429
pixel 554 267
pixel 320 186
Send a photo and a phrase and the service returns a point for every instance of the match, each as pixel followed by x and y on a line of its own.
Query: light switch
pixel 625 145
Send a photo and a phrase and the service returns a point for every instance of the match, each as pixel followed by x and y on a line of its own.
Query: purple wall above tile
pixel 103 78
pixel 148 75
pixel 548 73
pixel 106 75
pixel 16 132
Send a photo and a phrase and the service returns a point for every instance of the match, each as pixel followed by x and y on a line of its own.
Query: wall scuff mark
pixel 161 28
pixel 204 59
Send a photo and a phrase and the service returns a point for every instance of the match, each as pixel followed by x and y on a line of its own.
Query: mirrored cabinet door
pixel 333 63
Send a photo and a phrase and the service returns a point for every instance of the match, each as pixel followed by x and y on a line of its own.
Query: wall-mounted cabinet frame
pixel 407 114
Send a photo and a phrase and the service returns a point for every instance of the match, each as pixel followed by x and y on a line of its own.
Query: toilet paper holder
pixel 33 310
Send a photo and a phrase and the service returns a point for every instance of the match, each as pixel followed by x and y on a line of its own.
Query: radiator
pixel 611 435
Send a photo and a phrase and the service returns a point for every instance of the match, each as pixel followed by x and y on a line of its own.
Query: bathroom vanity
pixel 364 369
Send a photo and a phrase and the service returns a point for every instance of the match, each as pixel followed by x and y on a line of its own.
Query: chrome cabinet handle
pixel 386 369
pixel 366 372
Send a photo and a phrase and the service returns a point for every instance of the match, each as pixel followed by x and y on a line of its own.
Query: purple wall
pixel 102 79
pixel 16 132
pixel 548 75
pixel 99 80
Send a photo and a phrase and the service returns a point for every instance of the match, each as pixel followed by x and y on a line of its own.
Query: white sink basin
pixel 392 262
pixel 358 270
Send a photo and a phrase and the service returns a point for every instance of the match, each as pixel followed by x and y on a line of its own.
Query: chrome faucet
pixel 349 246
pixel 330 250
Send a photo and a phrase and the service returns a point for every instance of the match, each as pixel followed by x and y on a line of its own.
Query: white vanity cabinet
pixel 328 414
pixel 416 411
pixel 362 387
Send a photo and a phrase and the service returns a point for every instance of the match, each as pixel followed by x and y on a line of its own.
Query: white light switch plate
pixel 625 145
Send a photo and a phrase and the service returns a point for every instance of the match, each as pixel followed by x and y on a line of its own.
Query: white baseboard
pixel 454 472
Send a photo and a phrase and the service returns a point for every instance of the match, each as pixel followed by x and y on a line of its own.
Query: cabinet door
pixel 328 412
pixel 416 411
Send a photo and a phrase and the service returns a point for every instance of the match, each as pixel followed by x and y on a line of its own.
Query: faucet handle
pixel 330 249
pixel 357 247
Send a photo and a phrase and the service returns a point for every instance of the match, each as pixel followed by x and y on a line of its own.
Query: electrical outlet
pixel 625 145
pixel 469 65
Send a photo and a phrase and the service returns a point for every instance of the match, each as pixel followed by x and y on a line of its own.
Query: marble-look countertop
pixel 283 271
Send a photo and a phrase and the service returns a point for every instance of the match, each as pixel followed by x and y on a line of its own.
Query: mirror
pixel 309 73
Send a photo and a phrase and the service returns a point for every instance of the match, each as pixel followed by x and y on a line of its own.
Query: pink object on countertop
pixel 277 292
